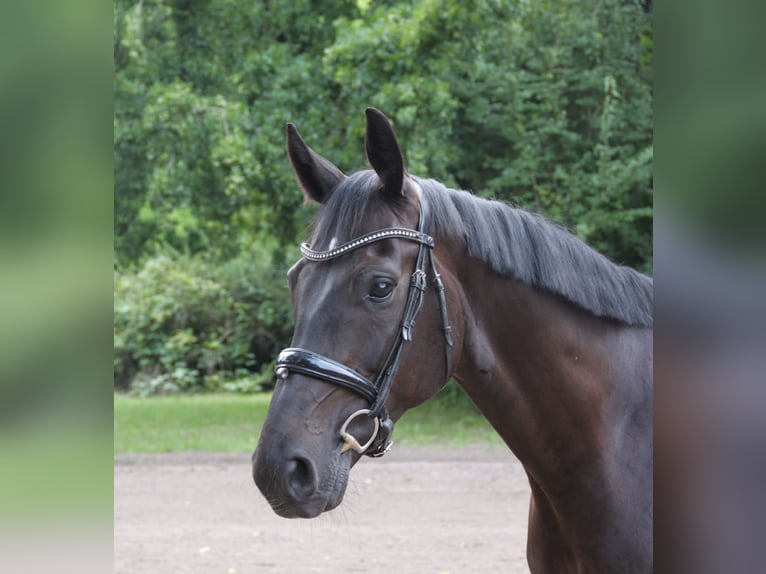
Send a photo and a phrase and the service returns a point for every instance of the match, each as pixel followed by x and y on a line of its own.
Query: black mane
pixel 513 242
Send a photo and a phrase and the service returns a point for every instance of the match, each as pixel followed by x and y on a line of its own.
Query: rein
pixel 305 362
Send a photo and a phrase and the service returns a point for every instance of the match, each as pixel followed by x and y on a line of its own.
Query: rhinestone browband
pixel 398 232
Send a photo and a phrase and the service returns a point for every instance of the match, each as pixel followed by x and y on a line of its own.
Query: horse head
pixel 357 291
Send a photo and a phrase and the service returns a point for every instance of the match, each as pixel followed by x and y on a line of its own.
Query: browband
pixel 379 235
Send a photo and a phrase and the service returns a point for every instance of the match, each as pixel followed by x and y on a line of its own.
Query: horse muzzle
pixel 297 485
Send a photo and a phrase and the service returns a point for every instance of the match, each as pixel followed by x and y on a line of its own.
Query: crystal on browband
pixel 379 235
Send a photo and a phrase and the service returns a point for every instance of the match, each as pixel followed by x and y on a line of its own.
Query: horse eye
pixel 381 289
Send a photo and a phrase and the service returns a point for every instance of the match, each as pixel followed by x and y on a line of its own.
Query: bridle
pixel 302 361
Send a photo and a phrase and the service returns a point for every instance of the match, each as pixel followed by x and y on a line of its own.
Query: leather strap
pixel 295 360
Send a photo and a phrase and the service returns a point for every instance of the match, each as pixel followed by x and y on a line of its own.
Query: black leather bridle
pixel 302 361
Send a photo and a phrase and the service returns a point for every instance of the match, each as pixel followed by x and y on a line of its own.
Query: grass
pixel 214 422
pixel 232 423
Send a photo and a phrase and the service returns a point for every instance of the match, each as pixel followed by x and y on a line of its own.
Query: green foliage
pixel 202 94
pixel 547 104
pixel 183 323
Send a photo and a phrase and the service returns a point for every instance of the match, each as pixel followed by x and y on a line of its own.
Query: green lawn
pixel 231 423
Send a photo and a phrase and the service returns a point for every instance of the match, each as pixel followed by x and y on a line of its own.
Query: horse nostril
pixel 301 477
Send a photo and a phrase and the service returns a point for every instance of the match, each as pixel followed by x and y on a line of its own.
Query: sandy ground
pixel 418 511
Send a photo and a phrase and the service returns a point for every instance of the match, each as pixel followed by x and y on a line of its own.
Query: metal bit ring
pixel 350 442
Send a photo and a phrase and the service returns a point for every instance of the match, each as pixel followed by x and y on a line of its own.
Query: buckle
pixel 381 451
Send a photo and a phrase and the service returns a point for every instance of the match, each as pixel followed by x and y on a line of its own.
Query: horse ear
pixel 316 175
pixel 384 154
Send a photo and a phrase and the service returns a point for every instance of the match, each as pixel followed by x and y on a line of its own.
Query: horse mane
pixel 511 241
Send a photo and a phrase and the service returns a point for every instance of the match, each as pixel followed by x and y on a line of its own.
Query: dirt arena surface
pixel 415 511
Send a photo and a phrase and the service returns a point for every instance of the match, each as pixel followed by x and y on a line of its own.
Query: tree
pixel 547 104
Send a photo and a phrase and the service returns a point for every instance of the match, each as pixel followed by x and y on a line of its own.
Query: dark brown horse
pixel 552 342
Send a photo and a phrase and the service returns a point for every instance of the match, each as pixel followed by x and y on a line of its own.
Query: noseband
pixel 302 361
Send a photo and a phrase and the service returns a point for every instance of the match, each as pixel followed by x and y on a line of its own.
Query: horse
pixel 405 284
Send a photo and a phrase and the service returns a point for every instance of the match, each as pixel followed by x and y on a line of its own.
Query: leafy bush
pixel 186 323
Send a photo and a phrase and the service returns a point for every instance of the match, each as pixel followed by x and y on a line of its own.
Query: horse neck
pixel 543 372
